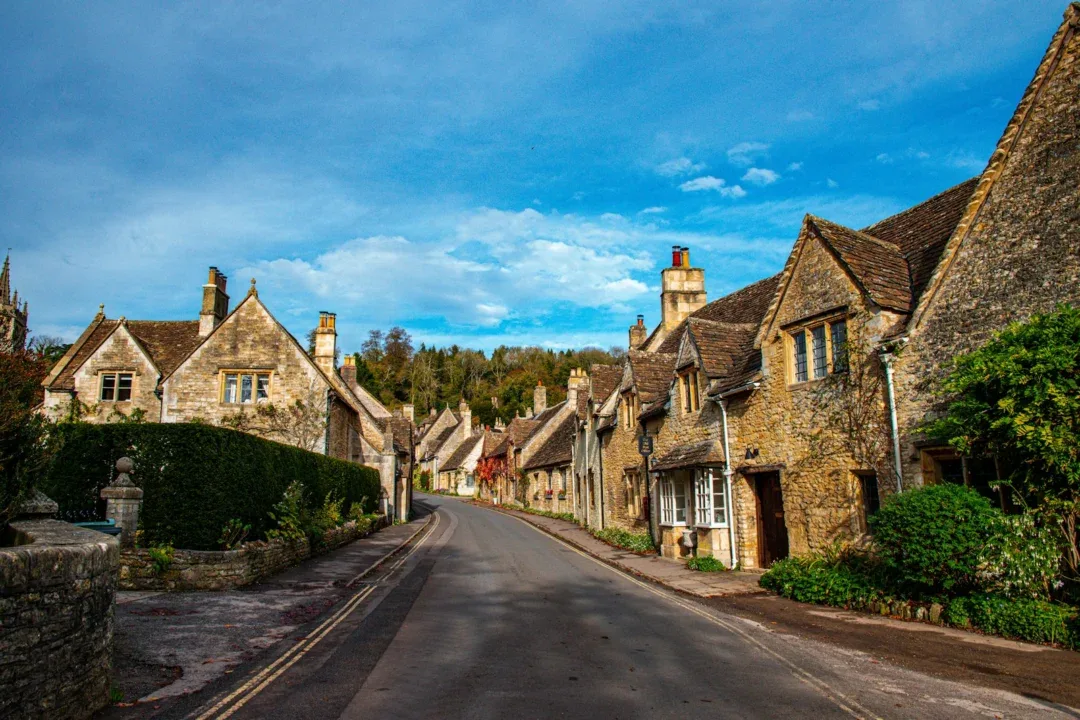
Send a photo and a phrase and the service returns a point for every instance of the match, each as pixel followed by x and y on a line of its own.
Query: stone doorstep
pixel 674 576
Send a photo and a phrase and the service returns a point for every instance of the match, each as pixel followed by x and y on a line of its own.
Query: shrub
pixel 1022 558
pixel 639 543
pixel 162 557
pixel 930 539
pixel 196 478
pixel 1023 619
pixel 233 534
pixel 705 563
pixel 569 517
pixel 811 581
pixel 25 450
pixel 288 513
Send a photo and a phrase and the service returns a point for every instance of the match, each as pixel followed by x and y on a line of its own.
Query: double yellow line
pixel 835 696
pixel 246 692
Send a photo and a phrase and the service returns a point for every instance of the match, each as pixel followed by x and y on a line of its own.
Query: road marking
pixel 835 696
pixel 260 681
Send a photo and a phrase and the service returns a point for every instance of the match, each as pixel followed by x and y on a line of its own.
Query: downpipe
pixel 728 472
pixel 887 360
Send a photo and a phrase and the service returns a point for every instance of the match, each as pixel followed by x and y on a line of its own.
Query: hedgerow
pixel 198 478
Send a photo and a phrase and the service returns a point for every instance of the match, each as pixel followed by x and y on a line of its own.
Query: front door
pixel 772 530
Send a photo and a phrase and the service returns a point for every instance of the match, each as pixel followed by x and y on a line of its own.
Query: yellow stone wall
pixel 118 353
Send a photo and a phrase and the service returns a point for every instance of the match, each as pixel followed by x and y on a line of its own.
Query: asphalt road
pixel 487 617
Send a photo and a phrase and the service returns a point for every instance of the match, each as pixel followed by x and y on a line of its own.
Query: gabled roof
pixel 878 267
pixel 747 305
pixel 650 374
pixel 707 452
pixel 1010 138
pixel 457 459
pixel 605 379
pixel 558 448
pixel 721 346
pixel 165 342
pixel 544 418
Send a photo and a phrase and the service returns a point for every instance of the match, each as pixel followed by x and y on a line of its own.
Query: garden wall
pixel 56 620
pixel 224 570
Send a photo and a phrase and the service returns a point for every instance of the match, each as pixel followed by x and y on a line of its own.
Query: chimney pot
pixel 686 257
pixel 676 256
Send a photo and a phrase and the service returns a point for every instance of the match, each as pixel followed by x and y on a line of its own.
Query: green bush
pixel 1022 559
pixel 196 478
pixel 639 543
pixel 705 563
pixel 811 581
pixel 568 517
pixel 930 539
pixel 1032 620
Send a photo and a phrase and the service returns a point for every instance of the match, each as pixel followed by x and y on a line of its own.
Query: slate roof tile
pixel 651 374
pixel 457 459
pixel 558 448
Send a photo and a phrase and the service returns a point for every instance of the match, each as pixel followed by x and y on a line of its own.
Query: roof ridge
pixel 814 219
pixel 915 207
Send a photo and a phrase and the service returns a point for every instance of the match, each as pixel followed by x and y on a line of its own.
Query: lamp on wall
pixel 751 453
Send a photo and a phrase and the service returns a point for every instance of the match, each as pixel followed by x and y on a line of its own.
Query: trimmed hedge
pixel 1033 620
pixel 197 477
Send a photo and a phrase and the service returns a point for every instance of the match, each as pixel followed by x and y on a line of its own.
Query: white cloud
pixel 760 176
pixel 654 210
pixel 794 167
pixel 679 166
pixel 579 195
pixel 708 182
pixel 832 183
pixel 884 158
pixel 745 153
pixel 869 105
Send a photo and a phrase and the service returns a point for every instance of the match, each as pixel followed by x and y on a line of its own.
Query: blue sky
pixel 480 173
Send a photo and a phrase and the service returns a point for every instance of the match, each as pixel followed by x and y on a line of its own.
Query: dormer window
pixel 116 387
pixel 631 408
pixel 688 391
pixel 817 351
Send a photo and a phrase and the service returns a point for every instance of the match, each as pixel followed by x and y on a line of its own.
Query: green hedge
pixel 197 477
pixel 808 581
pixel 635 542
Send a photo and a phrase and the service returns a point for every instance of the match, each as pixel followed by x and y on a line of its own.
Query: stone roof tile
pixel 651 374
pixel 878 266
pixel 457 459
pixel 558 448
pixel 702 453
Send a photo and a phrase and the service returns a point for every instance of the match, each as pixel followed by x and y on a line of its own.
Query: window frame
pixel 709 483
pixel 240 374
pixel 689 392
pixel 812 336
pixel 116 376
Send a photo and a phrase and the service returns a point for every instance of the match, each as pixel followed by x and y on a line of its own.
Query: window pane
pixel 839 346
pixel 702 497
pixel 123 387
pixel 719 496
pixel 262 392
pixel 230 388
pixel 800 357
pixel 680 502
pixel 108 387
pixel 666 502
pixel 820 368
pixel 245 388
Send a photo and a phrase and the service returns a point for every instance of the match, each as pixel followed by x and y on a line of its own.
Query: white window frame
pixel 669 506
pixel 709 484
pixel 255 375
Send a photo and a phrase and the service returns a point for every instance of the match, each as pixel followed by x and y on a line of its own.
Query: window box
pixel 548 494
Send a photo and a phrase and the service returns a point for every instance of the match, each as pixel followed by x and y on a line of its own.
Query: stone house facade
pixel 234 369
pixel 600 398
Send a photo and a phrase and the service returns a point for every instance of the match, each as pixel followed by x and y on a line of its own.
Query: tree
pixel 1017 399
pixel 24 441
pixel 48 347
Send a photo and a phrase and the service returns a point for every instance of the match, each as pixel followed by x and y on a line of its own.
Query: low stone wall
pixel 226 569
pixel 56 620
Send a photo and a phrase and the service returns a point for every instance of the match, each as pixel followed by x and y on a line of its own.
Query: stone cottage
pixel 599 394
pixel 240 369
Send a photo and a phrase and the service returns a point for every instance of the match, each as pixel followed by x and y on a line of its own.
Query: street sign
pixel 645 445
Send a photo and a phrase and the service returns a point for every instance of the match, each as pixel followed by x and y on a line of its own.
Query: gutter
pixel 887 358
pixel 754 385
pixel 727 482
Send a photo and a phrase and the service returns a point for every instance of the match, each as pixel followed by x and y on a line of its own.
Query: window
pixel 551 475
pixel 710 498
pixel 839 345
pixel 800 357
pixel 871 501
pixel 116 387
pixel 562 479
pixel 818 337
pixel 680 502
pixel 818 350
pixel 688 388
pixel 631 409
pixel 632 488
pixel 672 502
pixel 245 388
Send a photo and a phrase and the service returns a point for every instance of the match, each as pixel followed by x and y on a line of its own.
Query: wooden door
pixel 772 530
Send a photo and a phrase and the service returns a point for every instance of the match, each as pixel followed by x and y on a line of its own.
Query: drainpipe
pixel 728 472
pixel 577 500
pixel 887 360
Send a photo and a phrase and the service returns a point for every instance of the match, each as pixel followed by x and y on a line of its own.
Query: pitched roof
pixel 544 418
pixel 877 266
pixel 701 453
pixel 457 459
pixel 436 444
pixel 166 343
pixel 604 379
pixel 558 448
pixel 746 305
pixel 650 373
pixel 922 231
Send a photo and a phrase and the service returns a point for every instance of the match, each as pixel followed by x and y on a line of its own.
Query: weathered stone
pixel 935 613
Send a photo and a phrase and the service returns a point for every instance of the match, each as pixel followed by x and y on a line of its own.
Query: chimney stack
pixel 539 398
pixel 215 303
pixel 577 383
pixel 466 418
pixel 409 412
pixel 683 290
pixel 433 412
pixel 348 371
pixel 326 341
pixel 638 333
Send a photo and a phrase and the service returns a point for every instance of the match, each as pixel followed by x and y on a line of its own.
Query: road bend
pixel 484 616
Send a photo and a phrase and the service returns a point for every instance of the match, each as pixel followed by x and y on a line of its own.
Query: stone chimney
pixel 348 370
pixel 433 412
pixel 215 303
pixel 494 402
pixel 539 398
pixel 683 289
pixel 466 418
pixel 638 333
pixel 578 382
pixel 326 341
pixel 407 411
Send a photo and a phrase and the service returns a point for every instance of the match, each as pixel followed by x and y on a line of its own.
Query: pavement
pixel 487 616
pixel 666 571
pixel 174 644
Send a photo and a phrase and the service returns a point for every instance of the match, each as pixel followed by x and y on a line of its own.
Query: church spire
pixel 5 281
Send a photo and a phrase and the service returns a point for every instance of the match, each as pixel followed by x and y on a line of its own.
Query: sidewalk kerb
pixel 393 552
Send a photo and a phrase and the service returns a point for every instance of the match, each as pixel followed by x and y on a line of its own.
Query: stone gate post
pixel 123 501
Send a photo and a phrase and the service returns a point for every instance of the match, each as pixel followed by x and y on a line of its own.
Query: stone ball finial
pixel 252 290
pixel 125 465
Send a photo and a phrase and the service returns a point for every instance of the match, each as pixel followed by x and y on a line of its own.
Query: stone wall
pixel 1021 252
pixel 192 570
pixel 56 620
pixel 620 452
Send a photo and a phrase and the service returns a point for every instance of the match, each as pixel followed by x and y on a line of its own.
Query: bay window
pixel 710 498
pixel 672 502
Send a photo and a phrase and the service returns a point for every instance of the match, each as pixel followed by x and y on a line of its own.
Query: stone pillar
pixel 123 501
